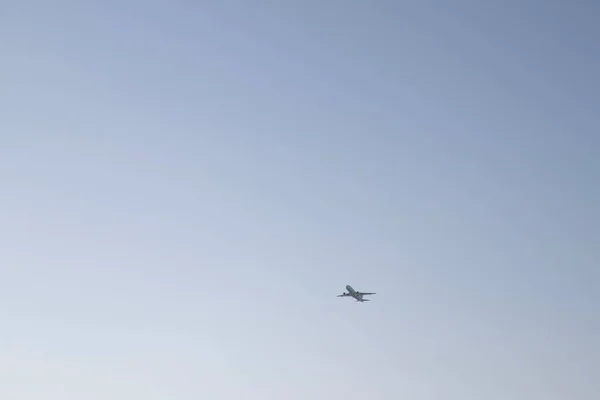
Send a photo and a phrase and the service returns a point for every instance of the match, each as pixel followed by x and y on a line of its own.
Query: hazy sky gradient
pixel 186 187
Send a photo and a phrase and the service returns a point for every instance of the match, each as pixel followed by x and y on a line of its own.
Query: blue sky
pixel 187 186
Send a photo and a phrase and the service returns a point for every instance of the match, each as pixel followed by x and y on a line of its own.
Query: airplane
pixel 353 293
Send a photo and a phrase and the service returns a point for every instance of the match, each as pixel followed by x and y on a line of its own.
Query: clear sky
pixel 187 185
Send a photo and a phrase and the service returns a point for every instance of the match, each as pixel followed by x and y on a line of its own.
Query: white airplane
pixel 353 293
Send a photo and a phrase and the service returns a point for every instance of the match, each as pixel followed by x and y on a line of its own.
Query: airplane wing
pixel 343 295
pixel 364 294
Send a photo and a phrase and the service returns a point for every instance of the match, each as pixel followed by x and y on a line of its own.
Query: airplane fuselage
pixel 358 296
